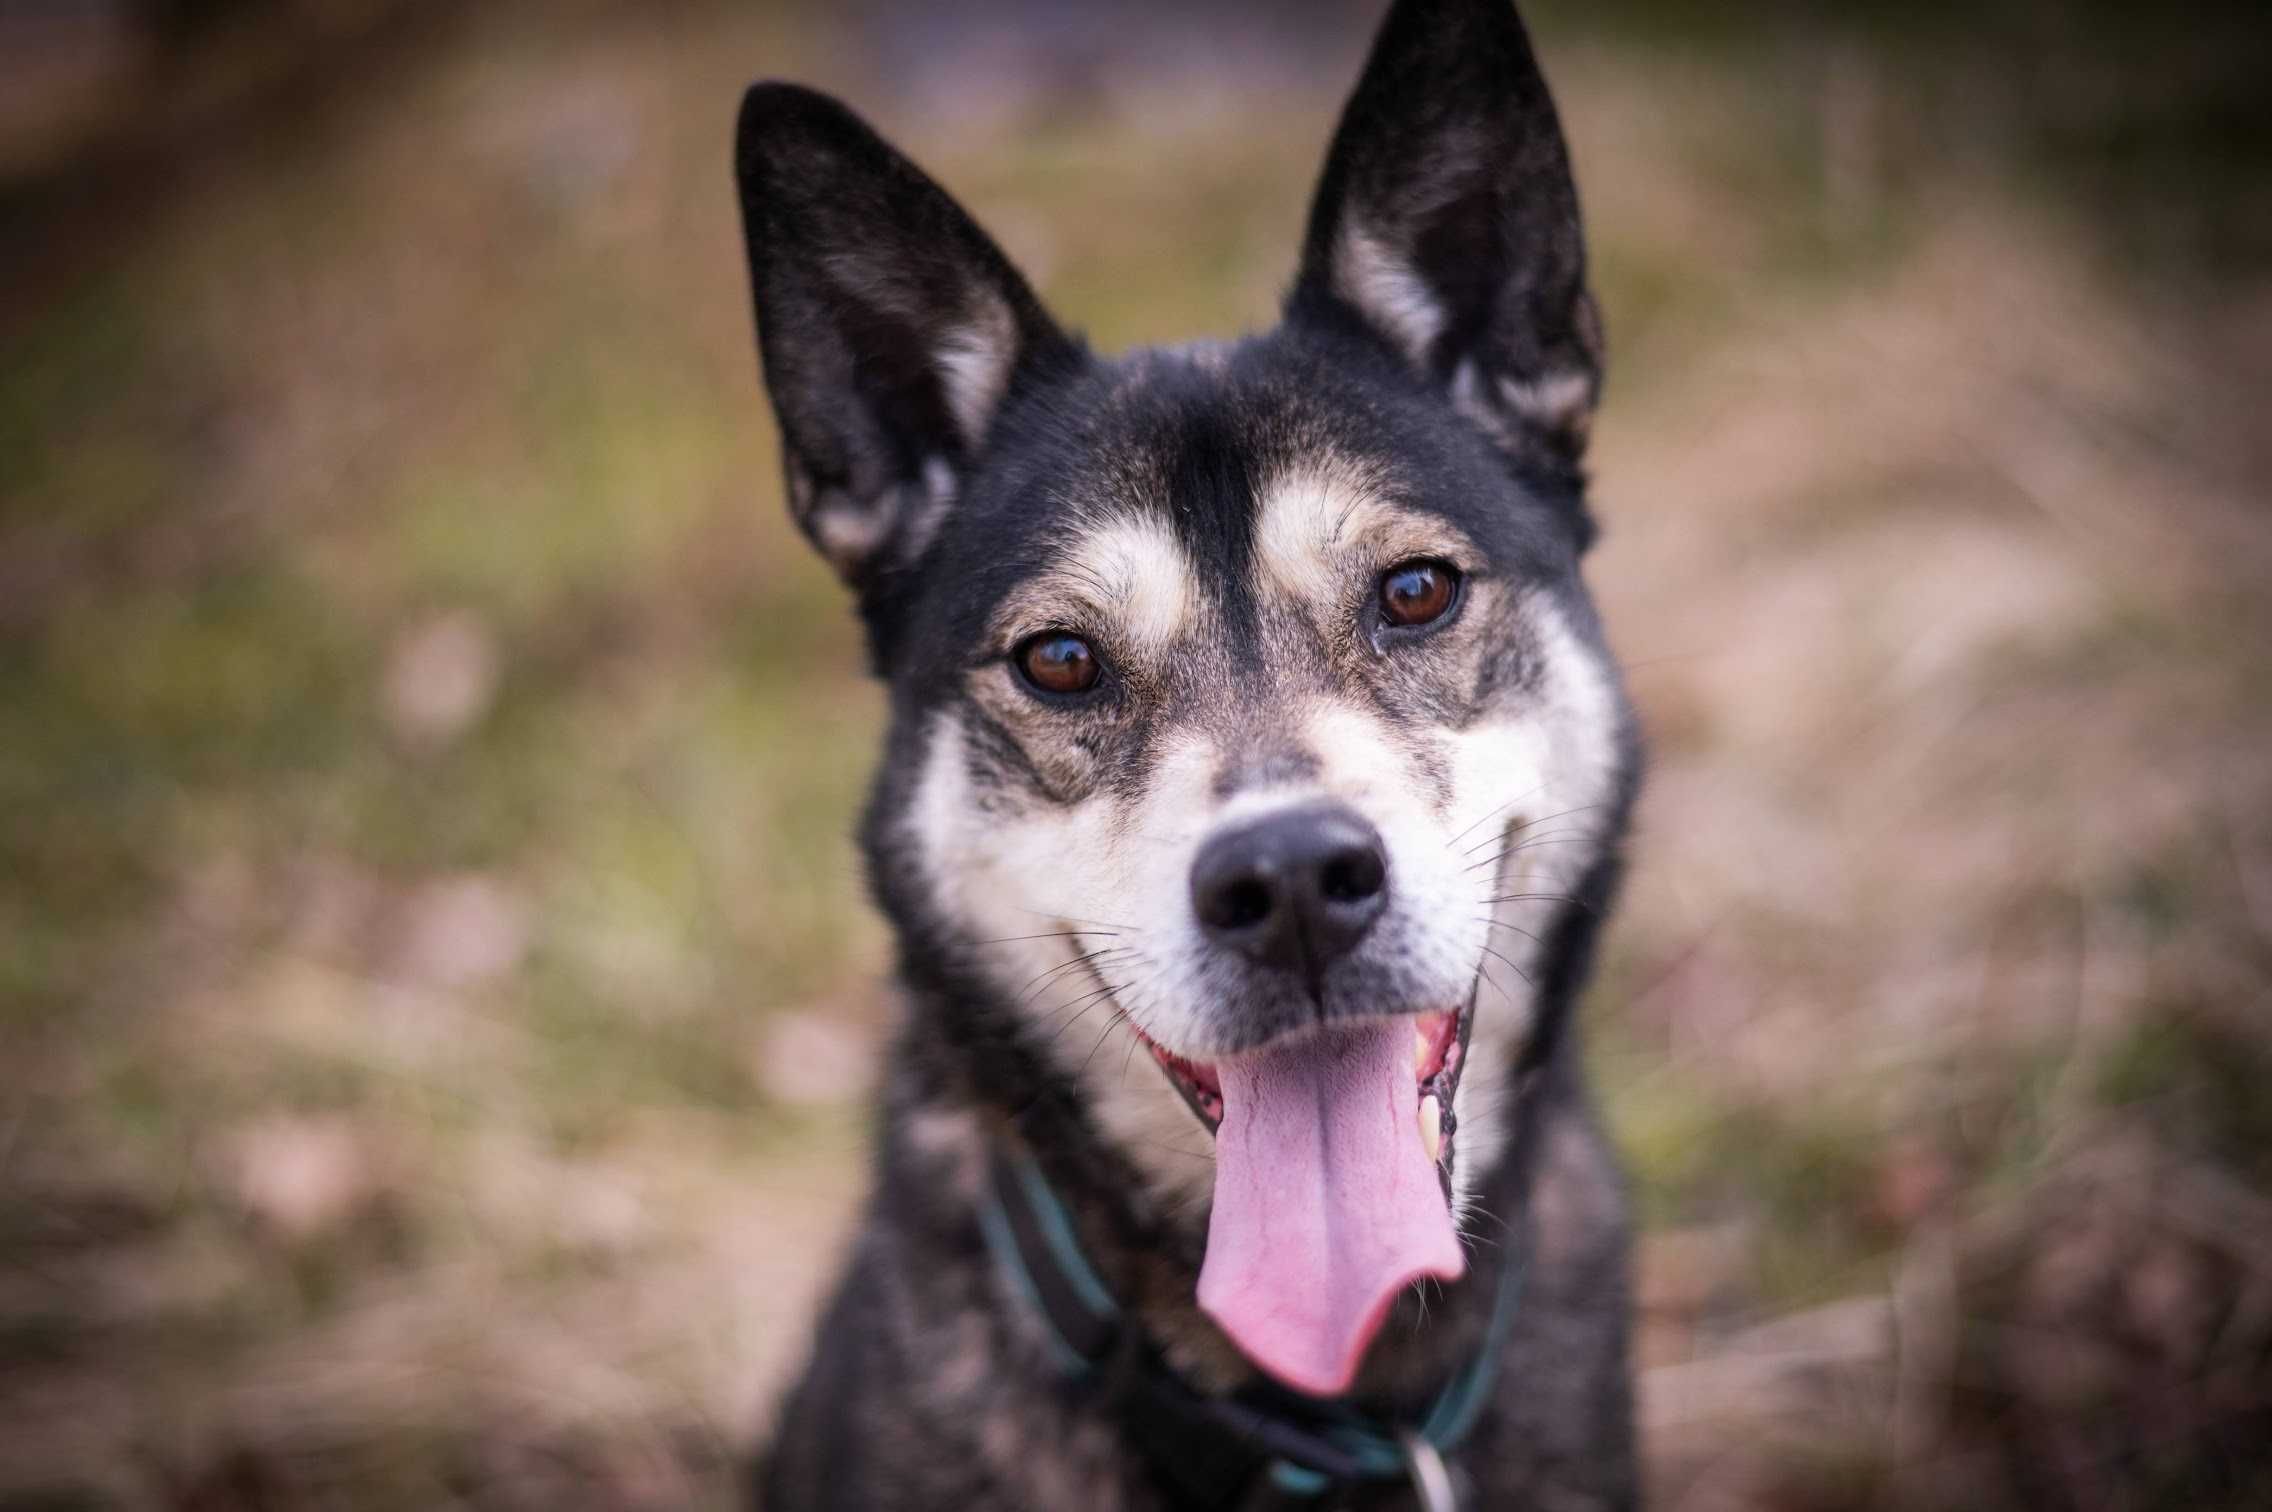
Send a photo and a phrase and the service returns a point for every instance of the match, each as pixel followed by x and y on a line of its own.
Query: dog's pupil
pixel 1415 594
pixel 1060 663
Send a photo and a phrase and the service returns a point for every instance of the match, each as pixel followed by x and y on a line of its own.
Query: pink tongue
pixel 1326 1205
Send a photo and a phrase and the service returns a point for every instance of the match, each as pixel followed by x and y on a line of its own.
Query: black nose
pixel 1296 890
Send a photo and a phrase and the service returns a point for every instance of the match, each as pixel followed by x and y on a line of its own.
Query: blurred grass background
pixel 437 996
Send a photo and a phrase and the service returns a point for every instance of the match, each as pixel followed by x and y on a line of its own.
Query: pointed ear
pixel 1446 223
pixel 891 328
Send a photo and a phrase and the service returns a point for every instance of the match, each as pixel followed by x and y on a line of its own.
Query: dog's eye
pixel 1418 593
pixel 1058 663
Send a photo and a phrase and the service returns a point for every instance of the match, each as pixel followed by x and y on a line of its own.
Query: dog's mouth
pixel 1333 1153
pixel 1439 1046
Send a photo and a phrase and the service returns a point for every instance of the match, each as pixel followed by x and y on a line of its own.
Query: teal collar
pixel 1249 1449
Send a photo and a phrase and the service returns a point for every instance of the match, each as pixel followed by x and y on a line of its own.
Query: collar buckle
pixel 1431 1480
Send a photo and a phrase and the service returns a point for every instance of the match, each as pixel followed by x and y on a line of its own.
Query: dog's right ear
pixel 890 327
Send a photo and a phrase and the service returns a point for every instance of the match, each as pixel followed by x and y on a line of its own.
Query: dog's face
pixel 1246 698
pixel 1270 699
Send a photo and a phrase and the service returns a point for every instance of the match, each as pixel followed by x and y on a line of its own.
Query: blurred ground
pixel 436 996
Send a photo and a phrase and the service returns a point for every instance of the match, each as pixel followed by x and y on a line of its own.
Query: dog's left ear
pixel 1446 222
pixel 891 327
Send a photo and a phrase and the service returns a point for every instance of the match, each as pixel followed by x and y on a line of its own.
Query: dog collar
pixel 1258 1448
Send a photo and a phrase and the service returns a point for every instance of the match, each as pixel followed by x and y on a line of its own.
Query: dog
pixel 1255 788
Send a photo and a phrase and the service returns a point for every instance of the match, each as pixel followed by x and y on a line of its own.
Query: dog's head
pixel 1246 698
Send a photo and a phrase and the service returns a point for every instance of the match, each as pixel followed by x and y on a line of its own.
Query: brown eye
pixel 1058 663
pixel 1418 593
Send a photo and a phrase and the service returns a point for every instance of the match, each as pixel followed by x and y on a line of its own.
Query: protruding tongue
pixel 1326 1204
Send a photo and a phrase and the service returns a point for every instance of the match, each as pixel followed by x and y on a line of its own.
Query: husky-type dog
pixel 1254 791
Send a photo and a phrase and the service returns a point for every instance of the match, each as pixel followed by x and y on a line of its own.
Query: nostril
pixel 1240 904
pixel 1352 876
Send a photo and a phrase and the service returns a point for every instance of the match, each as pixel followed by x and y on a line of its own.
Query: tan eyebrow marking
pixel 1127 568
pixel 1325 525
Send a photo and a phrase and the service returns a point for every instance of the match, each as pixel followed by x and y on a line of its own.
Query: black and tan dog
pixel 1253 796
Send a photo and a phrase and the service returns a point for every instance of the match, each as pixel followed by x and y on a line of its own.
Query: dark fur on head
pixel 975 473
